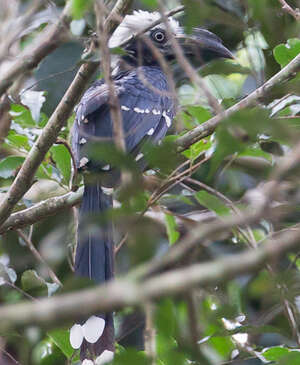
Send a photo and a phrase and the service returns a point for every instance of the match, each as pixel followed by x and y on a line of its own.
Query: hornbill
pixel 147 109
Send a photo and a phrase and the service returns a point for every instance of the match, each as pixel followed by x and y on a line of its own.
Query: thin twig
pixel 38 256
pixel 288 9
pixel 12 285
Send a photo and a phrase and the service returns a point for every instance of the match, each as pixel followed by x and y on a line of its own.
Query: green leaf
pixel 61 339
pixel 165 318
pixel 30 280
pixel 211 202
pixel 130 357
pixel 275 353
pixel 199 113
pixel 151 4
pixel 79 7
pixel 62 158
pixel 285 53
pixel 9 165
pixel 21 116
pixel 171 225
pixel 17 141
pixel 197 148
pixel 236 133
pixel 46 353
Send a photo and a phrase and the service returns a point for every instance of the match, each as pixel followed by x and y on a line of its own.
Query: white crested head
pixel 135 23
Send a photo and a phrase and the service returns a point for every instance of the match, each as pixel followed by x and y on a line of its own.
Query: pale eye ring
pixel 159 36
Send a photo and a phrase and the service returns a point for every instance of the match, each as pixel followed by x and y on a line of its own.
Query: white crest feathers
pixel 135 23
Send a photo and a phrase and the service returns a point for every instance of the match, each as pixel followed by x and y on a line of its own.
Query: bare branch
pixel 122 293
pixel 288 9
pixel 42 210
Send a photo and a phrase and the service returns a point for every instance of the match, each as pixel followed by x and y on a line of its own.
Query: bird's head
pixel 200 46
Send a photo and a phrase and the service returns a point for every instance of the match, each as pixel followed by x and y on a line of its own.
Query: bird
pixel 148 109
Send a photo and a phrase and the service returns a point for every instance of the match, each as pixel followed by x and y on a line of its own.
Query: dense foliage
pixel 248 317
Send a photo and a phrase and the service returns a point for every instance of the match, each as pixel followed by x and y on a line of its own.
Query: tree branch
pixel 42 210
pixel 122 293
pixel 36 155
pixel 208 127
pixel 52 37
pixel 288 9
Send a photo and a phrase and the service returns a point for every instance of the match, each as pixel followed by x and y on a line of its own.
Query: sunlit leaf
pixel 285 53
pixel 171 225
pixel 275 353
pixel 151 4
pixel 79 7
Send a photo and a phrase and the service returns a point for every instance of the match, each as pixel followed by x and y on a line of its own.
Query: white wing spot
pixel 139 156
pixel 150 132
pixel 83 162
pixel 87 362
pixel 76 336
pixel 105 168
pixel 93 329
pixel 124 107
pixel 155 112
pixel 168 119
pixel 82 141
pixel 138 110
pixel 105 357
pixel 85 120
pixel 107 191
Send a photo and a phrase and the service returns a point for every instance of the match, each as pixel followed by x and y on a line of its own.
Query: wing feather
pixel 143 110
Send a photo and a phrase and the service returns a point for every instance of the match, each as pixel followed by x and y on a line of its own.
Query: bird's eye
pixel 159 36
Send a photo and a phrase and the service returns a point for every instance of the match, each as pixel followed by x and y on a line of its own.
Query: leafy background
pixel 242 321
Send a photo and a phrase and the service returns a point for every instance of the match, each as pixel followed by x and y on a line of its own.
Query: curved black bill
pixel 203 46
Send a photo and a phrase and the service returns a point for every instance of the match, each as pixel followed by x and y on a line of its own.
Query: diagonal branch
pixel 49 135
pixel 288 9
pixel 51 38
pixel 122 293
pixel 208 127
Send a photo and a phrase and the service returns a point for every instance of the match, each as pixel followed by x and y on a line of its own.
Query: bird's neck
pixel 126 64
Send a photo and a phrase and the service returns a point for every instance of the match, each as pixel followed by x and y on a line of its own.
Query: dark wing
pixel 147 111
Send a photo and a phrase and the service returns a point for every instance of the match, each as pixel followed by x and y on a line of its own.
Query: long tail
pixel 94 260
